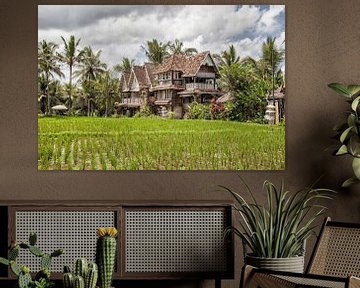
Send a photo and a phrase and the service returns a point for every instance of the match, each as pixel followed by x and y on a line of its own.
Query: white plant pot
pixel 291 264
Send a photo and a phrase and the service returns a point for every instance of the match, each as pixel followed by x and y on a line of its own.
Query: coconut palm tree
pixel 48 66
pixel 178 47
pixel 125 65
pixel 229 56
pixel 90 67
pixel 156 51
pixel 71 56
pixel 108 89
pixel 271 55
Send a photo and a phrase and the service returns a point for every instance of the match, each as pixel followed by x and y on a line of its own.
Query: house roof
pixel 140 74
pixel 194 62
pixel 125 77
pixel 150 68
pixel 174 62
pixel 189 65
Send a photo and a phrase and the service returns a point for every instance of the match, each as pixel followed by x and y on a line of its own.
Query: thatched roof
pixel 189 65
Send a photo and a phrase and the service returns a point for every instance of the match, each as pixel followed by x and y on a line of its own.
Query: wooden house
pixel 135 88
pixel 171 85
pixel 182 79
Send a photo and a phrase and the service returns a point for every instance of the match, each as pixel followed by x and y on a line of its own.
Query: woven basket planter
pixel 291 264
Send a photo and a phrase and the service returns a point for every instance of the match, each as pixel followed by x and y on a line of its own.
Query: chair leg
pixel 217 283
pixel 246 274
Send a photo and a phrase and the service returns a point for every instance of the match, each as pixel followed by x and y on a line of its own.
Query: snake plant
pixel 279 228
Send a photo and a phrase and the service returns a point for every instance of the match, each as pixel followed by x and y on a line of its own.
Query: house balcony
pixel 132 102
pixel 200 86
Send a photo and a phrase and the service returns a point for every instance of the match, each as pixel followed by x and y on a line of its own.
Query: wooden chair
pixel 335 262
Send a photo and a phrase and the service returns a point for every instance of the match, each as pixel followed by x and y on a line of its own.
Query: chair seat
pixel 335 262
pixel 315 282
pixel 268 279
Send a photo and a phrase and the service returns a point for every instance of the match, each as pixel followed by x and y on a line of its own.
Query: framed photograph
pixel 161 87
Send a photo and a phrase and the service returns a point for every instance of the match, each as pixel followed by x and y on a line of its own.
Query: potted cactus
pixel 42 278
pixel 84 275
pixel 106 254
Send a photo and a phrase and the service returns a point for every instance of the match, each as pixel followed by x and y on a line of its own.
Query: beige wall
pixel 322 46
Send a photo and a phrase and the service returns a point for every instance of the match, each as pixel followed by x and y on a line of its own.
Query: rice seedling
pixel 157 144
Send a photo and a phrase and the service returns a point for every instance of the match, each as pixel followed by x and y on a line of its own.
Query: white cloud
pixel 119 31
pixel 268 22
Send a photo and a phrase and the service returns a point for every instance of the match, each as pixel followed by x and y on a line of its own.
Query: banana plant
pixel 348 132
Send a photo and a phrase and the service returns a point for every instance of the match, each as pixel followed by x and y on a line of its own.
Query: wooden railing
pixel 201 86
pixel 132 101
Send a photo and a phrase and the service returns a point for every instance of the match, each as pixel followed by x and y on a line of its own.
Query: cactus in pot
pixel 85 275
pixel 106 254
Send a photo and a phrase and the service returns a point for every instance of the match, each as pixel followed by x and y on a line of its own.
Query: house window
pixel 177 75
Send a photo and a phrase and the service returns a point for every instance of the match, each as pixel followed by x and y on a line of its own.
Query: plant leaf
pixel 355 103
pixel 345 134
pixel 342 150
pixel 356 167
pixel 349 182
pixel 353 89
pixel 340 88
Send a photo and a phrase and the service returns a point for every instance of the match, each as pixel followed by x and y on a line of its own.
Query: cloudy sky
pixel 120 31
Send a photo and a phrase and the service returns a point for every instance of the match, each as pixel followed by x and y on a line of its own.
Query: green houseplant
pixel 106 254
pixel 84 274
pixel 349 131
pixel 275 233
pixel 42 278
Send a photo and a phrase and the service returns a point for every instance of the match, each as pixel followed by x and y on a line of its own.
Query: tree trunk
pixel 106 107
pixel 47 94
pixel 70 89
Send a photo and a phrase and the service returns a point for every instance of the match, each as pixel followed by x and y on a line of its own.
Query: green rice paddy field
pixel 81 143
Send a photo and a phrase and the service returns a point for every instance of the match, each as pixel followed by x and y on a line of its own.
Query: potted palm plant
pixel 274 235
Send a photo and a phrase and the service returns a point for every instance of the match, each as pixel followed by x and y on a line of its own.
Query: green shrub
pixel 198 111
pixel 144 112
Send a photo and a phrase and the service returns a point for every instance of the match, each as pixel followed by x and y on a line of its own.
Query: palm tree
pixel 229 56
pixel 271 60
pixel 156 51
pixel 48 66
pixel 271 55
pixel 125 65
pixel 177 47
pixel 90 67
pixel 108 89
pixel 71 56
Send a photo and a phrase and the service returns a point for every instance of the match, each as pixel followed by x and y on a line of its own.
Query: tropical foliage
pixel 71 56
pixel 156 51
pixel 178 47
pixel 279 229
pixel 125 65
pixel 349 132
pixel 48 67
pixel 92 89
pixel 250 80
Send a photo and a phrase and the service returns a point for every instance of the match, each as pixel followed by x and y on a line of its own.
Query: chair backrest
pixel 337 251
